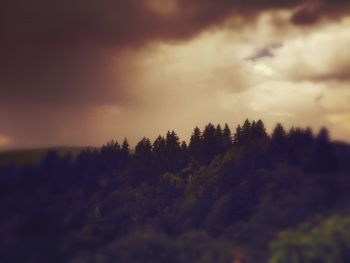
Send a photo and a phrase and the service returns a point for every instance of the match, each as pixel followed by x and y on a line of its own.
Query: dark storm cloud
pixel 116 22
pixel 60 51
pixel 312 11
pixel 305 16
pixel 123 22
pixel 55 74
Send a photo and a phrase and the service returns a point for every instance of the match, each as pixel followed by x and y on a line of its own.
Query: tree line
pixel 224 196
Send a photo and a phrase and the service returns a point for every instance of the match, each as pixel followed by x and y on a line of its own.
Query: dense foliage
pixel 221 198
pixel 328 242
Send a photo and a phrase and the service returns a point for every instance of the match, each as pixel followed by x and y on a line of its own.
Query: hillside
pixel 224 197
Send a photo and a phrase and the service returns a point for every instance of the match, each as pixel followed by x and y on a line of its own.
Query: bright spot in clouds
pixel 263 69
pixel 4 141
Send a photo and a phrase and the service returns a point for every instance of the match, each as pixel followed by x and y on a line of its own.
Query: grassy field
pixel 33 156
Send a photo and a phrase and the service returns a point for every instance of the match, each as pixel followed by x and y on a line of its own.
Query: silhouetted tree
pixel 243 134
pixel 184 146
pixel 172 143
pixel 143 150
pixel 226 138
pixel 238 136
pixel 219 144
pixel 159 147
pixel 323 156
pixel 195 145
pixel 125 154
pixel 173 152
pixel 300 142
pixel 209 142
pixel 110 156
pixel 246 132
pixel 279 142
pixel 184 154
pixel 125 147
pixel 259 131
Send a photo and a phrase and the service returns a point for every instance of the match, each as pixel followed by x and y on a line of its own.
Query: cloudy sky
pixel 76 72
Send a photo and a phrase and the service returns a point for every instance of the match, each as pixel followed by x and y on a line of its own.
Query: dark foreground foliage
pixel 222 198
pixel 326 242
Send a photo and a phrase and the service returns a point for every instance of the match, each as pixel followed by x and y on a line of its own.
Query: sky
pixel 80 73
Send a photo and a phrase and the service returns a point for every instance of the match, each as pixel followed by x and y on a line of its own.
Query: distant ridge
pixel 33 156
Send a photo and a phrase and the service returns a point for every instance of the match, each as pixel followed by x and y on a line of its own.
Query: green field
pixel 33 156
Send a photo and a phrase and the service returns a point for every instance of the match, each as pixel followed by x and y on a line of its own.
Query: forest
pixel 241 196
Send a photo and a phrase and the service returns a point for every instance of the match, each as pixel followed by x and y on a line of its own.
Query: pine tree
pixel 143 150
pixel 195 145
pixel 246 132
pixel 238 137
pixel 243 134
pixel 279 141
pixel 308 137
pixel 219 140
pixel 184 153
pixel 209 142
pixel 172 143
pixel 125 154
pixel 259 131
pixel 227 138
pixel 125 147
pixel 183 146
pixel 323 157
pixel 173 152
pixel 159 147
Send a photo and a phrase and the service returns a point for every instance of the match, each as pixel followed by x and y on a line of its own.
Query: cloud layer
pixel 107 65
